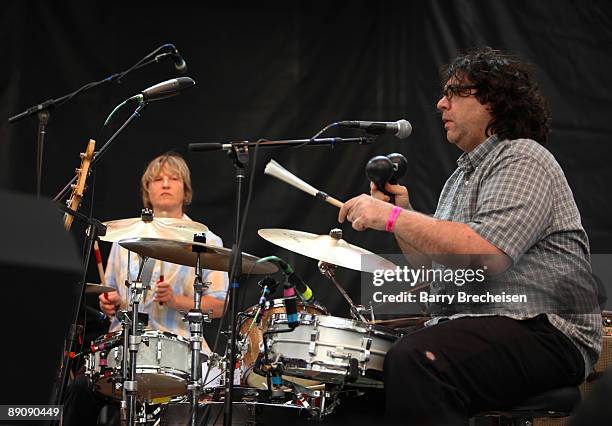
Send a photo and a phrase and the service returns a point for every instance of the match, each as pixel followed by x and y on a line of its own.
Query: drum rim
pixel 331 369
pixel 147 332
pixel 278 302
pixel 347 324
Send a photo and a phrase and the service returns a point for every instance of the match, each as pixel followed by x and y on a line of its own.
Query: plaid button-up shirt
pixel 515 195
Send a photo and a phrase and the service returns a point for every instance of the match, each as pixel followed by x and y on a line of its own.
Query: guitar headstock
pixel 78 188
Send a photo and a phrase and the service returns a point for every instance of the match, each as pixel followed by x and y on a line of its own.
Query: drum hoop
pixel 339 323
pixel 162 371
pixel 146 333
pixel 277 303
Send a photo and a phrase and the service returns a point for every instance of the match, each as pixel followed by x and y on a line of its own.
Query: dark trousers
pixel 444 374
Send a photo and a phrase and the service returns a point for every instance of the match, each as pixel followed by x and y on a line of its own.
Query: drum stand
pixel 131 340
pixel 196 317
pixel 357 311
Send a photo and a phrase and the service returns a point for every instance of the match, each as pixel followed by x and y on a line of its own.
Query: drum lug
pixel 312 347
pixel 366 344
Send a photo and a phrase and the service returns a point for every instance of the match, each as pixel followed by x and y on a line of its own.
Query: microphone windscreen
pixel 404 129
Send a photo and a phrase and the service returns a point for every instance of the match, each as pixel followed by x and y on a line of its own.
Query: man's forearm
pixel 453 244
pixel 414 257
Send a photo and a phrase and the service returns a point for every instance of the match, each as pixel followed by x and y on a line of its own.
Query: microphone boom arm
pixel 52 103
pixel 228 146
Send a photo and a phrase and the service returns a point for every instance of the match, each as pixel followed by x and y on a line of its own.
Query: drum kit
pixel 304 367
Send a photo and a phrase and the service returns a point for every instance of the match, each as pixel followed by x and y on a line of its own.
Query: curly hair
pixel 507 85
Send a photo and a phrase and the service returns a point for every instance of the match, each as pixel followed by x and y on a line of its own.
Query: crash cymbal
pixel 326 248
pixel 98 288
pixel 158 227
pixel 213 257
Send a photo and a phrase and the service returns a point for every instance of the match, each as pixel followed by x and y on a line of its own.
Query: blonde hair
pixel 177 165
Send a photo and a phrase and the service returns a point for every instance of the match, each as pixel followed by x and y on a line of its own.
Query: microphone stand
pixel 240 157
pixel 215 146
pixel 239 153
pixel 102 150
pixel 94 225
pixel 43 109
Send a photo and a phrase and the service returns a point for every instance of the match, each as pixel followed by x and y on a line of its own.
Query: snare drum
pixel 331 349
pixel 251 336
pixel 162 368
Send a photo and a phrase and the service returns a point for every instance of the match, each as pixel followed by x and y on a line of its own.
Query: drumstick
pixel 161 276
pixel 100 266
pixel 279 172
pixel 99 262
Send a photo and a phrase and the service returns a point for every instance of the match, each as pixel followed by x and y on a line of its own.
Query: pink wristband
pixel 392 218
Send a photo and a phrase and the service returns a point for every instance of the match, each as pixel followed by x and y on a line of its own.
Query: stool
pixel 553 403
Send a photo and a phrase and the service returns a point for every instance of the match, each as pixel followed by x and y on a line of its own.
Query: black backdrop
pixel 285 70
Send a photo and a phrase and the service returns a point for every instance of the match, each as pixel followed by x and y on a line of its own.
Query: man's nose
pixel 442 103
pixel 166 182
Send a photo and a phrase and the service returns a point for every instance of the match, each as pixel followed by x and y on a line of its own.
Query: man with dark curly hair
pixel 507 212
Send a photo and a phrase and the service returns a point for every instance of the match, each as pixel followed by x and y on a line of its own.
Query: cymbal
pixel 98 288
pixel 213 257
pixel 326 248
pixel 159 227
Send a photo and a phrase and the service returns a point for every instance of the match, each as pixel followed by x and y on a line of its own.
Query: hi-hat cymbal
pixel 158 227
pixel 326 248
pixel 98 288
pixel 213 257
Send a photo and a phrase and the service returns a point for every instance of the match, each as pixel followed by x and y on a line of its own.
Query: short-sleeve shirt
pixel 162 317
pixel 514 194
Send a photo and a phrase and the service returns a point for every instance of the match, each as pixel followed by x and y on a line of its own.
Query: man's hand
pixel 365 212
pixel 163 292
pixel 110 302
pixel 401 194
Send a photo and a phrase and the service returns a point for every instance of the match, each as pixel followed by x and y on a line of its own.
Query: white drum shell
pixel 162 368
pixel 321 347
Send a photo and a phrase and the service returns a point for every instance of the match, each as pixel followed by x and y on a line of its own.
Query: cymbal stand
pixel 357 311
pixel 196 317
pixel 133 339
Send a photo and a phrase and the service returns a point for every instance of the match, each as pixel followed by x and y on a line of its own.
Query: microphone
pixel 293 278
pixel 179 62
pixel 165 89
pixel 290 304
pixel 110 343
pixel 401 128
